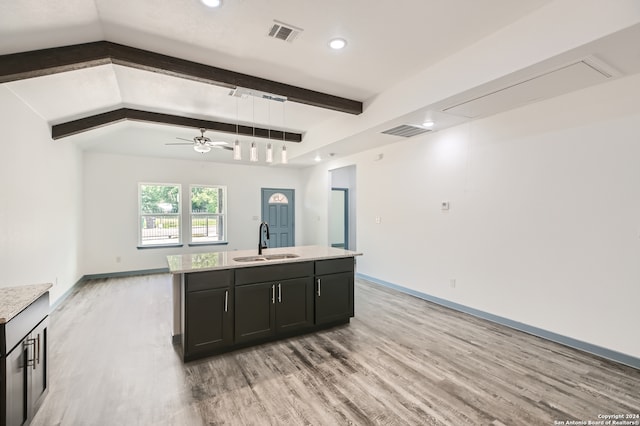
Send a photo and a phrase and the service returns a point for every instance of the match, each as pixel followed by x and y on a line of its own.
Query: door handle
pixel 38 350
pixel 318 287
pixel 273 294
pixel 226 300
pixel 31 362
pixel 279 293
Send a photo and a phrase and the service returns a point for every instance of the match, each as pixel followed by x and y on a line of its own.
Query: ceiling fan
pixel 203 144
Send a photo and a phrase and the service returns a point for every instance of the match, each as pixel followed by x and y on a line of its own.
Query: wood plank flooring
pixel 401 361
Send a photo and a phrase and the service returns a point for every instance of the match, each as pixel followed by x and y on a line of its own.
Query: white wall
pixel 544 225
pixel 111 205
pixel 40 201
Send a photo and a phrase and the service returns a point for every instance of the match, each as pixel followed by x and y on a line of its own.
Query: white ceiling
pixel 386 44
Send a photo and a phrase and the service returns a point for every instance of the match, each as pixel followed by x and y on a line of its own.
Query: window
pixel 208 214
pixel 159 214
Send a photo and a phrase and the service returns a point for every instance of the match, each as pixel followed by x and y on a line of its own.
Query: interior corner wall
pixel 544 219
pixel 111 206
pixel 40 201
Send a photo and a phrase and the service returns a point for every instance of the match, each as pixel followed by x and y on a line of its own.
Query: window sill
pixel 209 243
pixel 159 246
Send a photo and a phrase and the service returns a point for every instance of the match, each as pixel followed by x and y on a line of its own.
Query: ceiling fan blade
pixel 183 139
pixel 179 143
pixel 216 143
pixel 228 148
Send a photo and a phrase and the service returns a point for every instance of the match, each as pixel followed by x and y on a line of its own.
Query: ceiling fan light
pixel 283 158
pixel 253 155
pixel 237 152
pixel 202 149
pixel 212 3
pixel 269 153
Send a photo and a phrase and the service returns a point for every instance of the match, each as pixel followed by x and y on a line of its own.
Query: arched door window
pixel 278 198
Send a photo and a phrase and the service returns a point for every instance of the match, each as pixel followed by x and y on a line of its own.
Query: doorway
pixel 278 210
pixel 339 231
pixel 342 207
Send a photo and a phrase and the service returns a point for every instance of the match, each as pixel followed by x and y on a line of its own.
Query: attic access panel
pixel 554 83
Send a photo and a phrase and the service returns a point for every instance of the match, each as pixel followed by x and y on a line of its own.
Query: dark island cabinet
pixel 232 308
pixel 208 313
pixel 334 290
pixel 23 363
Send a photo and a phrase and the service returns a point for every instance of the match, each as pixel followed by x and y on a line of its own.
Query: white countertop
pixel 195 262
pixel 14 299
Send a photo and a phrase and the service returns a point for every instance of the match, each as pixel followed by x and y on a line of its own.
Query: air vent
pixel 406 131
pixel 283 31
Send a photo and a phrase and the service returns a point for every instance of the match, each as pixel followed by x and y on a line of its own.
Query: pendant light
pixel 283 154
pixel 237 152
pixel 253 153
pixel 269 153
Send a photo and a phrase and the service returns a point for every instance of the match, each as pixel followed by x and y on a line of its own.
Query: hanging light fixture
pixel 283 154
pixel 269 153
pixel 237 152
pixel 253 153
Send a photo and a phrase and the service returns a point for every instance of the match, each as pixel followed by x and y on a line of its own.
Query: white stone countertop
pixel 195 262
pixel 14 299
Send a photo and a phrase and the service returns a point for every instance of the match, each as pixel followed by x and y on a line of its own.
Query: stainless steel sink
pixel 266 257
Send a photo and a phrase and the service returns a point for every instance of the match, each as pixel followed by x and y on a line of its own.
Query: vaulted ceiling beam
pixel 85 124
pixel 18 66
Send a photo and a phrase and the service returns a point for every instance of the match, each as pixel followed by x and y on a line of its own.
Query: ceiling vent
pixel 283 31
pixel 406 131
pixel 577 75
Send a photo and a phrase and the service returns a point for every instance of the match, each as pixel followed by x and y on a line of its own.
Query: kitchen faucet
pixel 260 232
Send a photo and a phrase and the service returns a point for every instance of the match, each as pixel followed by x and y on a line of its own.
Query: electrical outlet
pixel 452 282
pixel 378 220
pixel 118 259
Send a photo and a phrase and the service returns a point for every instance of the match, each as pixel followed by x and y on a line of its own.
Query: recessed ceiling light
pixel 212 3
pixel 428 124
pixel 337 43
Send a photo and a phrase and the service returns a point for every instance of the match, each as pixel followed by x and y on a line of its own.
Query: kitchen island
pixel 223 301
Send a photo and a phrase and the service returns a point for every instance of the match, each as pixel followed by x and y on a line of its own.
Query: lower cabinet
pixel 334 290
pixel 208 313
pixel 26 381
pixel 334 297
pixel 265 309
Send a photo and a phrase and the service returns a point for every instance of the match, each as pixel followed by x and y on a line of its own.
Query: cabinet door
pixel 39 373
pixel 17 385
pixel 209 320
pixel 294 304
pixel 255 311
pixel 334 297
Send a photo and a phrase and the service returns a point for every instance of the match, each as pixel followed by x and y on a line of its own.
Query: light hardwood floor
pixel 401 361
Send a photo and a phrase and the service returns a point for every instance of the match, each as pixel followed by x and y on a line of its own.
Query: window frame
pixel 222 214
pixel 177 243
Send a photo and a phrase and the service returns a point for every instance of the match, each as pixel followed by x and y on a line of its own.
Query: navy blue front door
pixel 278 210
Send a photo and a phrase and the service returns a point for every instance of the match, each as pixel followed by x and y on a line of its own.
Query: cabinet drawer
pixel 334 266
pixel 24 322
pixel 281 271
pixel 196 281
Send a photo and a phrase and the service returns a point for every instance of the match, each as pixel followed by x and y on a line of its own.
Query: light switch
pixel 444 205
pixel 378 219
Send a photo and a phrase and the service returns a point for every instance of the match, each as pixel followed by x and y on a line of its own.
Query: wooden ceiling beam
pixel 37 63
pixel 69 128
